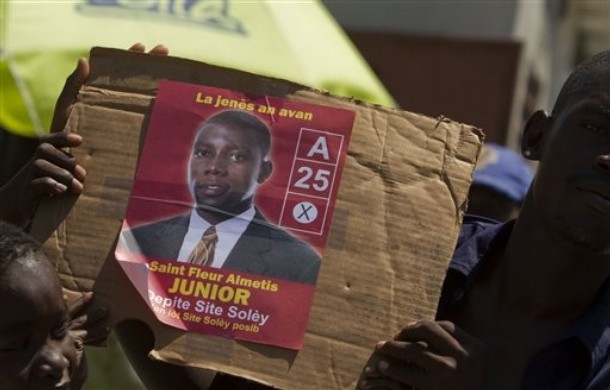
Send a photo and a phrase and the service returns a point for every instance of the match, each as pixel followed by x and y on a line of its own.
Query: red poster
pixel 230 210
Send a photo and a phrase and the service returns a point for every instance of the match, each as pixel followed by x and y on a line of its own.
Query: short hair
pixel 15 245
pixel 242 120
pixel 583 78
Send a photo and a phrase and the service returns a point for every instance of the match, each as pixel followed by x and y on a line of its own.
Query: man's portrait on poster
pixel 229 160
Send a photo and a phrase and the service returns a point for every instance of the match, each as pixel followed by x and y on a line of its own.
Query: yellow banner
pixel 297 41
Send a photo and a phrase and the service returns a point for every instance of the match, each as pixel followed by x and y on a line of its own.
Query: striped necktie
pixel 203 253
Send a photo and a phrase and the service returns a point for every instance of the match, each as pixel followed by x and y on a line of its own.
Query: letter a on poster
pixel 230 210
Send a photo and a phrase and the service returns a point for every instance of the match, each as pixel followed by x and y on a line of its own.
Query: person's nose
pixel 52 364
pixel 603 162
pixel 216 165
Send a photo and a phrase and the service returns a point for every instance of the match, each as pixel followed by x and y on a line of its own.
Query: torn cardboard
pixel 396 219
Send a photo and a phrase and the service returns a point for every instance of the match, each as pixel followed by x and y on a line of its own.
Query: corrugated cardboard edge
pixel 406 176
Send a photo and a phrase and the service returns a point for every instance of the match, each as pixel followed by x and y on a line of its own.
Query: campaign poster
pixel 230 210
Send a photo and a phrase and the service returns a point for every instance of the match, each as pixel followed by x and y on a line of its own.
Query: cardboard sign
pixel 394 224
pixel 261 175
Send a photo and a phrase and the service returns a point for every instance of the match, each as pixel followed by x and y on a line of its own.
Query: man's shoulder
pixel 473 226
pixel 177 221
pixel 478 237
pixel 157 239
pixel 280 236
pixel 283 241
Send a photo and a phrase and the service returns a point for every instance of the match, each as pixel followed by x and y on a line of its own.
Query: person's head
pixel 36 351
pixel 230 158
pixel 500 183
pixel 571 191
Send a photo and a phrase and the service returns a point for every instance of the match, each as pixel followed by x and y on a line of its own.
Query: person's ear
pixel 266 169
pixel 532 143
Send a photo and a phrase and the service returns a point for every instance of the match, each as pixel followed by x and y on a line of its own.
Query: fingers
pixel 159 50
pixel 413 364
pixel 56 159
pixel 435 336
pixel 78 305
pixel 55 171
pixel 382 383
pixel 75 81
pixel 88 322
pixel 432 355
pixel 93 334
pixel 83 312
pixel 46 186
pixel 372 378
pixel 408 376
pixel 67 97
pixel 62 140
pixel 455 331
pixel 92 316
pixel 411 354
pixel 140 48
pixel 52 180
pixel 370 370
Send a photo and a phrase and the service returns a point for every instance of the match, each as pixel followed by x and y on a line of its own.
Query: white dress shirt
pixel 228 233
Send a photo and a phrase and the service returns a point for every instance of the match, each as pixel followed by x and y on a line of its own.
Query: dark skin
pixel 36 349
pixel 41 341
pixel 226 166
pixel 555 261
pixel 488 203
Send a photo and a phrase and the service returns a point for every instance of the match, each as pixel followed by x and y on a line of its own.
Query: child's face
pixel 36 351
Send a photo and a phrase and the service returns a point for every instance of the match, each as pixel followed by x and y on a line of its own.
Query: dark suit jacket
pixel 262 249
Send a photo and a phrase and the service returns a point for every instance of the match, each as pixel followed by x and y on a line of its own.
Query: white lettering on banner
pixel 167 302
pixel 320 180
pixel 249 315
pixel 320 147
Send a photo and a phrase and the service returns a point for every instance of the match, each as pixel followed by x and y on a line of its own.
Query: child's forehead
pixel 30 298
pixel 28 278
pixel 27 266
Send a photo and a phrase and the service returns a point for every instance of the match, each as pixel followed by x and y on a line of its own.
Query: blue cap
pixel 504 171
